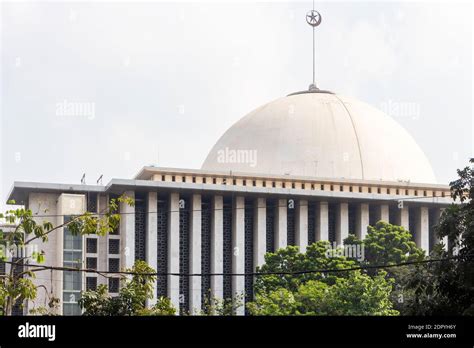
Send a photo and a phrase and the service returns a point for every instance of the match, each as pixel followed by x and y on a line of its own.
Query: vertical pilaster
pixel 259 233
pixel 238 248
pixel 301 230
pixel 382 213
pixel 362 220
pixel 195 254
pixel 422 228
pixel 281 238
pixel 173 249
pixel 151 238
pixel 127 232
pixel 342 222
pixel 322 221
pixel 217 231
pixel 403 215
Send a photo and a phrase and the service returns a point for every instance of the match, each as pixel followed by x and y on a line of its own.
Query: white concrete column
pixel 322 221
pixel 362 220
pixel 127 232
pixel 259 232
pixel 238 249
pixel 217 246
pixel 403 215
pixel 151 238
pixel 342 222
pixel 195 254
pixel 281 224
pixel 382 213
pixel 422 228
pixel 173 249
pixel 301 226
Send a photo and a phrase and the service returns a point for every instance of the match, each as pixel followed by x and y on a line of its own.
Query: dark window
pixel 254 183
pixel 183 179
pixel 378 190
pixel 163 178
pixel 91 262
pixel 203 180
pixel 292 185
pixel 370 189
pixel 406 192
pixel 273 184
pixel 264 184
pixel 114 284
pixel 388 191
pixel 244 182
pixel 332 187
pixel 322 187
pixel 416 192
pixel 302 186
pixel 91 283
pixel 213 180
pixel 283 185
pixel 312 186
pixel 234 182
pixel 114 265
pixel 194 179
pixel 114 246
pixel 350 188
pixel 424 193
pixel 341 188
pixel 360 188
pixel 91 245
pixel 397 191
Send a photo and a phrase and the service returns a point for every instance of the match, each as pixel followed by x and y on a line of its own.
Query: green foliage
pixel 131 299
pixel 28 228
pixel 290 259
pixel 357 294
pixel 222 307
pixel 332 293
pixel 447 288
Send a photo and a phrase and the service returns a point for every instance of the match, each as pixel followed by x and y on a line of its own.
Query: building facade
pixel 310 166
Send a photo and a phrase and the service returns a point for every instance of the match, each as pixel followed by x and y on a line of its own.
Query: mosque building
pixel 312 165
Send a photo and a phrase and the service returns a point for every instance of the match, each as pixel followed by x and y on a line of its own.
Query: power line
pixel 161 274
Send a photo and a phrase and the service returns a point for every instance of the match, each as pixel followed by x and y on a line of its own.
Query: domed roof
pixel 321 135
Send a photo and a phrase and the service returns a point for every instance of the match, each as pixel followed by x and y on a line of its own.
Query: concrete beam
pixel 195 254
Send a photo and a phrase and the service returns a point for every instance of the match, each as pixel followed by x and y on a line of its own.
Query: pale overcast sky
pixel 167 79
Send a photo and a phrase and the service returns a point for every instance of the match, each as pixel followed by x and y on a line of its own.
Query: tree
pixel 289 259
pixel 318 293
pixel 447 288
pixel 131 299
pixel 18 283
pixel 357 294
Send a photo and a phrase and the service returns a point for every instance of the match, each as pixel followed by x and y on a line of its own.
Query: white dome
pixel 320 135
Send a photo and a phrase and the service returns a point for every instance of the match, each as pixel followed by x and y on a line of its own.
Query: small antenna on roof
pixel 99 181
pixel 83 179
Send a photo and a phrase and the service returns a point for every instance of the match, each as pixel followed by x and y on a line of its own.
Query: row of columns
pixel 127 229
